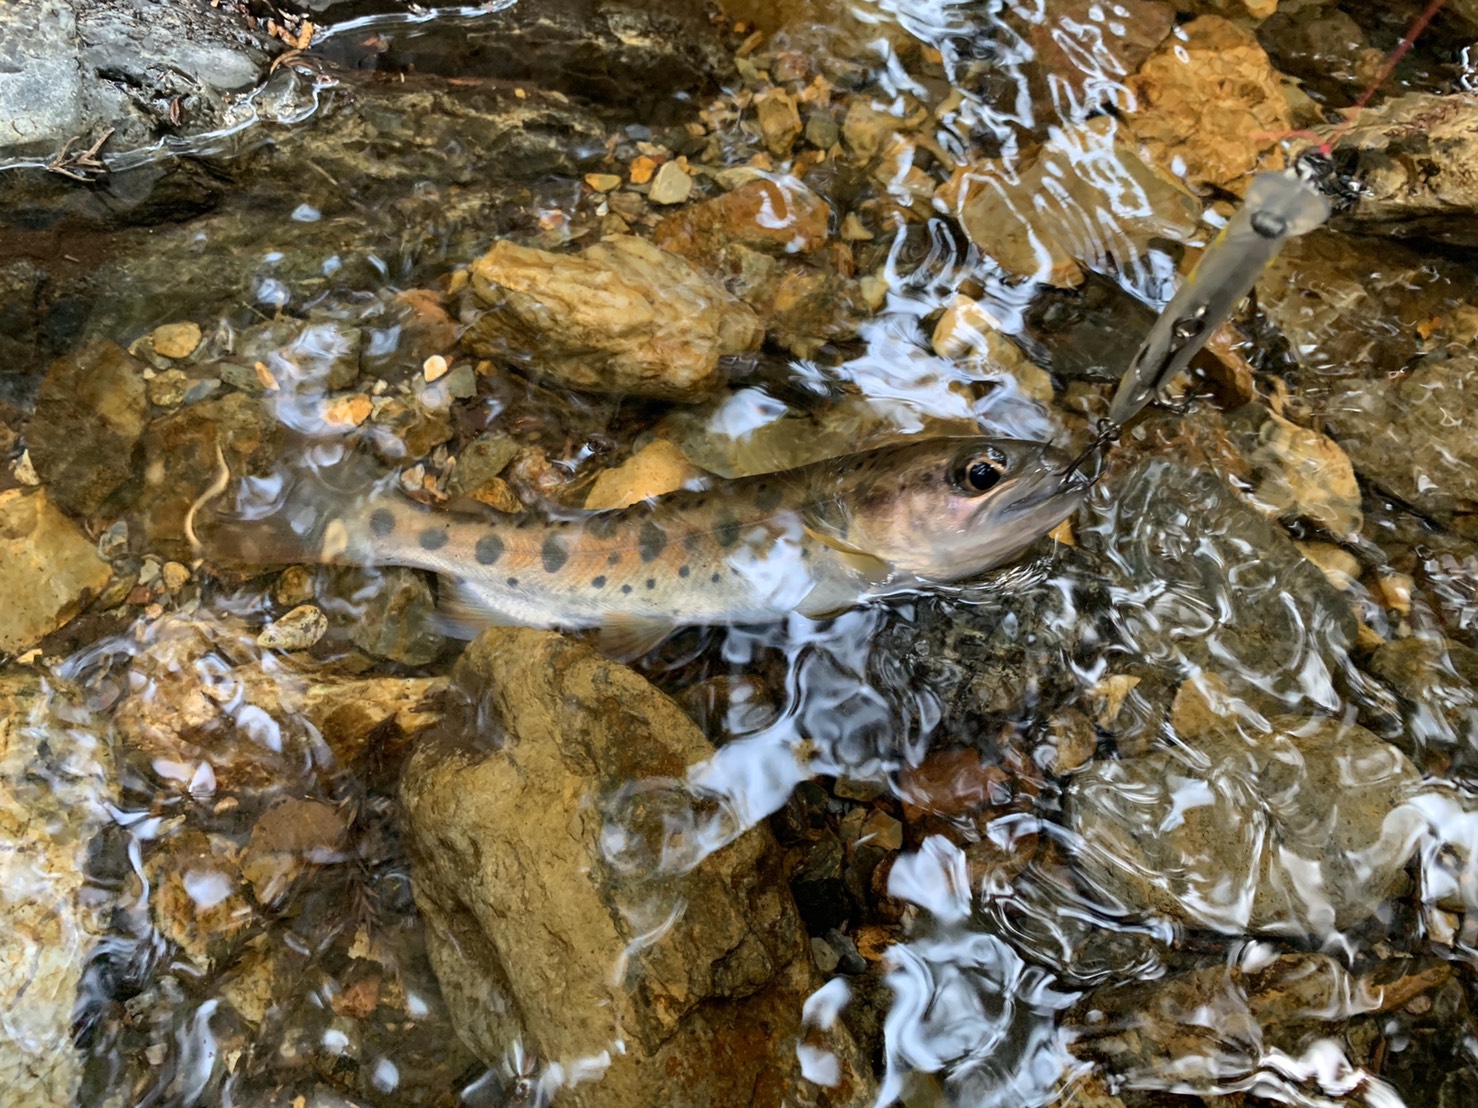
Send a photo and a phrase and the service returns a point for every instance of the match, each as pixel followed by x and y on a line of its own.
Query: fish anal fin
pixel 461 613
pixel 625 638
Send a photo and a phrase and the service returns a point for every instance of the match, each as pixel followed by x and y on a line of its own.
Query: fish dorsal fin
pixel 625 638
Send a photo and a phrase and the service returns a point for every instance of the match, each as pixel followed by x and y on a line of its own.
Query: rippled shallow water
pixel 1178 808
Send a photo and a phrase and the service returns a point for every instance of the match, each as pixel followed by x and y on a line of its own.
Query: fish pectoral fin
pixel 462 614
pixel 626 638
pixel 868 565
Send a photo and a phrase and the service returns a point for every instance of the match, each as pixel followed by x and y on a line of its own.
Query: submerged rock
pixel 1299 830
pixel 1412 435
pixel 546 917
pixel 1184 117
pixel 48 569
pixel 1416 159
pixel 53 785
pixel 1065 204
pixel 89 417
pixel 622 317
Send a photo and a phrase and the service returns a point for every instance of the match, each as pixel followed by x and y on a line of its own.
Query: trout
pixel 815 540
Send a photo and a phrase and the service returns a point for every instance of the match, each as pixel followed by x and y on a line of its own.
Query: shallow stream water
pixel 1177 808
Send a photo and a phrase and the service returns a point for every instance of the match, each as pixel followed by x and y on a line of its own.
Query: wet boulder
pixel 538 820
pixel 1300 829
pixel 620 317
pixel 1416 159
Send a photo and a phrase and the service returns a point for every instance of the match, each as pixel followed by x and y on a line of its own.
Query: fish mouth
pixel 1061 477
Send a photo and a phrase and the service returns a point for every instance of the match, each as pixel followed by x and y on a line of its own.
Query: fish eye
pixel 980 472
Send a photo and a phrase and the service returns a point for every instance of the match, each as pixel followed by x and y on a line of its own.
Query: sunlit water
pixel 1221 894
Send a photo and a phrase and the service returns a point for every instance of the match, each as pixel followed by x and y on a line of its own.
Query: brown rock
pixel 774 214
pixel 48 569
pixel 779 120
pixel 90 413
pixel 623 317
pixel 1002 209
pixel 657 468
pixel 532 924
pixel 175 340
pixel 54 782
pixel 289 836
pixel 1209 105
pixel 1303 473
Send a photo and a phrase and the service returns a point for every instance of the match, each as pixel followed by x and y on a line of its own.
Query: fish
pixel 816 540
pixel 1278 207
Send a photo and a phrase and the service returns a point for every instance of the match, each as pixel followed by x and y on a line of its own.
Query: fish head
pixel 952 508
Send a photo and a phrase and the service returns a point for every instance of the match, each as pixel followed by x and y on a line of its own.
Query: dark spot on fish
pixel 513 582
pixel 614 559
pixel 489 549
pixel 714 578
pixel 553 554
pixel 691 542
pixel 625 588
pixel 767 496
pixel 651 541
pixel 683 571
pixel 805 552
pixel 727 532
pixel 651 582
pixel 382 521
pixel 603 526
pixel 598 582
pixel 433 538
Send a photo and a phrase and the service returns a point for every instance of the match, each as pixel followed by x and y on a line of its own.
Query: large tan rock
pixel 1209 106
pixel 546 924
pixel 48 569
pixel 620 317
pixel 52 789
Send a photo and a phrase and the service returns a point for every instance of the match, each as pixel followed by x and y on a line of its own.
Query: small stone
pixel 24 472
pixel 1340 566
pixel 963 327
pixel 481 461
pixel 434 368
pixel 300 629
pixel 671 186
pixel 348 411
pixel 496 493
pixel 602 182
pixel 1074 740
pixel 659 467
pixel 1063 533
pixel 780 122
pixel 294 586
pixel 642 168
pixel 175 576
pixel 881 829
pixel 1111 692
pixel 461 383
pixel 854 230
pixel 1306 474
pixel 167 389
pixel 1395 591
pixel 289 836
pixel 175 340
pixel 822 131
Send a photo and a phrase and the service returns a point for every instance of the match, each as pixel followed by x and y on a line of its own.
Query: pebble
pixel 167 390
pixel 434 368
pixel 963 328
pixel 881 829
pixel 642 168
pixel 822 131
pixel 1339 565
pixel 175 340
pixel 601 182
pixel 780 122
pixel 175 576
pixel 672 185
pixel 294 586
pixel 300 629
pixel 24 471
pixel 348 411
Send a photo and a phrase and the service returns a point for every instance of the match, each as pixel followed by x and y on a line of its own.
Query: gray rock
pixel 1300 830
pixel 534 864
pixel 395 621
pixel 1436 681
